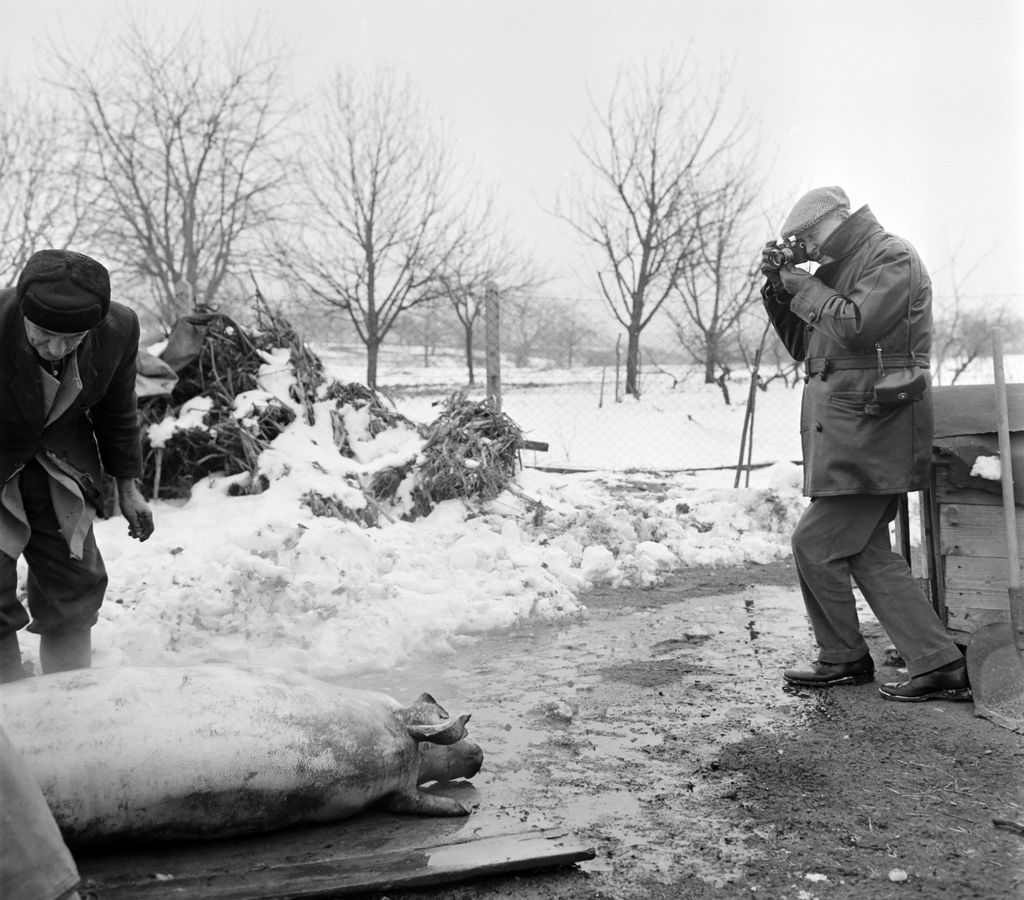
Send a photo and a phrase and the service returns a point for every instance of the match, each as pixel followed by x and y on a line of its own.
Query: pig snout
pixel 439 762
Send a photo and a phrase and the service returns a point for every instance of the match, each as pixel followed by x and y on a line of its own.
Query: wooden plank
pixel 973 530
pixel 974 582
pixel 933 562
pixel 337 875
pixel 946 492
pixel 963 623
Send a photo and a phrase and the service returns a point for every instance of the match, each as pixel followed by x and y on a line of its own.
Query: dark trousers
pixel 64 594
pixel 844 540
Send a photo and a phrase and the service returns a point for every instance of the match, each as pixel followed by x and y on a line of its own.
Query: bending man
pixel 865 312
pixel 68 413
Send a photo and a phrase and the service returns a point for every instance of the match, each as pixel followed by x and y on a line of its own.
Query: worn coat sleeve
pixel 115 418
pixel 869 310
pixel 789 327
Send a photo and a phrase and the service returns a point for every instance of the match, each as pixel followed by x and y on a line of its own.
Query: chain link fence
pixel 586 421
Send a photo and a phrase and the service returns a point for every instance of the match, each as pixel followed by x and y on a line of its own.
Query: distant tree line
pixel 185 162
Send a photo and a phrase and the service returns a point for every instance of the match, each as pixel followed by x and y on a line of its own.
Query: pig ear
pixel 424 710
pixel 451 733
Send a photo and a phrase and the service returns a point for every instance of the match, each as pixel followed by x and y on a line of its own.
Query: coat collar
pixel 853 232
pixel 26 382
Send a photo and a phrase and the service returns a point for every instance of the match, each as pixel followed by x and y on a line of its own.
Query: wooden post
pixel 747 434
pixel 156 474
pixel 492 340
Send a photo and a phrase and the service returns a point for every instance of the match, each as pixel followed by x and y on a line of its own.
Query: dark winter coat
pixel 874 294
pixel 100 430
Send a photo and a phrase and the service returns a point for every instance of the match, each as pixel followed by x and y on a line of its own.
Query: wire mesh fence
pixel 582 412
pixel 586 420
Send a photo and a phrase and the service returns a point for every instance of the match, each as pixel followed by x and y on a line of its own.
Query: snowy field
pixel 259 579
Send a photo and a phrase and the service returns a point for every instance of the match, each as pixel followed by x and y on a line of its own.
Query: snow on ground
pixel 260 579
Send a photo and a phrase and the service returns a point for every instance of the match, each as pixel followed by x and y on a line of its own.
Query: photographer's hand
pixel 792 279
pixel 768 270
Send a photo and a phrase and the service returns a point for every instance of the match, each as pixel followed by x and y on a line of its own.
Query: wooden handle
pixel 1016 600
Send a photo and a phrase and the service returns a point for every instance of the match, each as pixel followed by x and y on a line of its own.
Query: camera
pixel 792 252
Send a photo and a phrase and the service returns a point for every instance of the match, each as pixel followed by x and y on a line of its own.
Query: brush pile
pixel 218 420
pixel 471 450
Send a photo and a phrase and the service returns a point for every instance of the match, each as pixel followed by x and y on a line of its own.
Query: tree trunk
pixel 633 360
pixel 469 354
pixel 710 357
pixel 372 346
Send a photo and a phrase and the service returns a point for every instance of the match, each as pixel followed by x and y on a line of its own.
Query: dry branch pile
pixel 470 451
pixel 227 364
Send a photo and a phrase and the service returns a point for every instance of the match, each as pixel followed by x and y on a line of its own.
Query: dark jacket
pixel 100 430
pixel 875 293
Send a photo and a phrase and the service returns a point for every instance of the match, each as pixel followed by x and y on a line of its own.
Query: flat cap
pixel 812 207
pixel 64 291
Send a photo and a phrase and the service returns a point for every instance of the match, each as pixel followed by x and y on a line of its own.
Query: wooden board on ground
pixel 376 851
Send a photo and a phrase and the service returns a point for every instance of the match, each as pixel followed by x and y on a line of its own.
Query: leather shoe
pixel 824 674
pixel 945 683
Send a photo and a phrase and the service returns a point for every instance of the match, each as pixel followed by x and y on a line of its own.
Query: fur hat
pixel 64 291
pixel 812 207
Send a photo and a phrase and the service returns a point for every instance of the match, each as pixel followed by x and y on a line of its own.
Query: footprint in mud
pixel 687 640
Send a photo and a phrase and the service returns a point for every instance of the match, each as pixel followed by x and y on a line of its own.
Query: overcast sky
pixel 913 106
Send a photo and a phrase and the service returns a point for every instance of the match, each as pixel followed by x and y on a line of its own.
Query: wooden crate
pixel 963 549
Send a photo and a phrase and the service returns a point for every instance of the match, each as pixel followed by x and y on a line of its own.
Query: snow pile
pixel 987 467
pixel 260 578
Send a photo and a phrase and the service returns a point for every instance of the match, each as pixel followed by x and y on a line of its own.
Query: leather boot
pixel 948 682
pixel 61 651
pixel 11 666
pixel 824 674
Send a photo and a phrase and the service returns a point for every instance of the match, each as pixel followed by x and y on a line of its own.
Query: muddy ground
pixel 657 732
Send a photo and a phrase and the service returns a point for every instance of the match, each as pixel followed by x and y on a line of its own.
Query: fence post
pixel 492 340
pixel 747 435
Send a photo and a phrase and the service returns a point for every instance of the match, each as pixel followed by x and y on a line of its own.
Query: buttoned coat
pixel 99 431
pixel 873 295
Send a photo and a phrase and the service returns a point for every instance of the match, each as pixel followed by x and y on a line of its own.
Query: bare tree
pixel 428 326
pixel 42 194
pixel 720 281
pixel 378 211
pixel 570 332
pixel 485 257
pixel 183 134
pixel 961 335
pixel 646 151
pixel 526 322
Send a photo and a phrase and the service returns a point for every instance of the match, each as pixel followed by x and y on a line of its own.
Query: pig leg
pixel 417 803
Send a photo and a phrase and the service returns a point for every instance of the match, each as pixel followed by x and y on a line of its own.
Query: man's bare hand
pixel 135 509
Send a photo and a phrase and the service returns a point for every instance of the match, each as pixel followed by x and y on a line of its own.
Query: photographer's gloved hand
pixel 792 279
pixel 768 270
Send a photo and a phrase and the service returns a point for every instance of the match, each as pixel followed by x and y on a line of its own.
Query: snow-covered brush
pixel 225 365
pixel 471 450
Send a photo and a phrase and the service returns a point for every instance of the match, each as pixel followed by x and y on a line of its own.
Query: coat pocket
pixel 858 451
pixel 849 402
pixel 848 431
